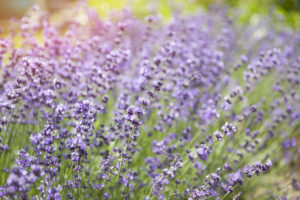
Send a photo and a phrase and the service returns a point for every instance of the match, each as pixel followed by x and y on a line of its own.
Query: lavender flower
pixel 229 129
pixel 126 108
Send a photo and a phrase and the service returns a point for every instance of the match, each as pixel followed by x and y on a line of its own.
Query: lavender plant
pixel 123 108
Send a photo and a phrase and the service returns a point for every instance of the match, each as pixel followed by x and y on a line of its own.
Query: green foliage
pixel 288 10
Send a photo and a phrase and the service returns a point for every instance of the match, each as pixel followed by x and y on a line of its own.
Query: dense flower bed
pixel 136 109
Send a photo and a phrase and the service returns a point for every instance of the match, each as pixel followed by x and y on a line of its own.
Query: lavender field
pixel 123 107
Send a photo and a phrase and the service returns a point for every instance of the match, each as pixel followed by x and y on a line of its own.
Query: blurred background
pixel 288 9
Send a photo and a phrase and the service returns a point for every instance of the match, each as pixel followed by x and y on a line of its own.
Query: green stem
pixel 119 172
pixel 227 193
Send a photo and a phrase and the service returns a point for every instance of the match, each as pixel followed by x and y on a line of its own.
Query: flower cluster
pixel 125 108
